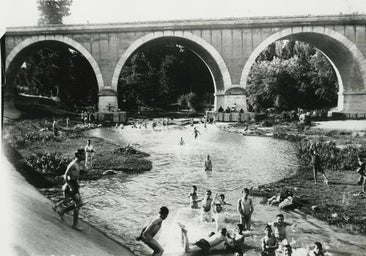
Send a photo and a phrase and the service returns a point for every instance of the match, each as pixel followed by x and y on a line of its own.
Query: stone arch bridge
pixel 228 47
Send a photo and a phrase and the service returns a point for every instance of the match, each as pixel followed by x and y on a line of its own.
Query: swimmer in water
pixel 204 244
pixel 196 132
pixel 269 243
pixel 194 198
pixel 181 142
pixel 208 164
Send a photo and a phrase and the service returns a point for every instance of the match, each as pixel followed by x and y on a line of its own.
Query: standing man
pixel 279 229
pixel 72 188
pixel 208 164
pixel 151 229
pixel 361 170
pixel 194 198
pixel 55 127
pixel 206 213
pixel 89 150
pixel 245 209
pixel 316 163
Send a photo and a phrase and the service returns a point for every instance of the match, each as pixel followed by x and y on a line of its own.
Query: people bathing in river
pixel 208 164
pixel 316 163
pixel 361 170
pixel 206 212
pixel 245 209
pixel 269 242
pixel 194 198
pixel 89 150
pixel 151 229
pixel 196 132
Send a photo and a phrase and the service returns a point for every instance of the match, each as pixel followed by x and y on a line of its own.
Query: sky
pixel 25 13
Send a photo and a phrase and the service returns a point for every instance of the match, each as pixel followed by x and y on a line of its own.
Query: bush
pixel 189 100
pixel 51 164
pixel 333 157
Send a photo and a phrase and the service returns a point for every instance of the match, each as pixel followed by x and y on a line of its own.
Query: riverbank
pixel 31 227
pixel 336 203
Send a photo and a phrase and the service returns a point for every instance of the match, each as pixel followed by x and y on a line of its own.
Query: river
pixel 122 204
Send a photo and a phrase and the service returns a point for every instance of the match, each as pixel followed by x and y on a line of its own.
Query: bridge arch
pixel 16 56
pixel 205 51
pixel 346 59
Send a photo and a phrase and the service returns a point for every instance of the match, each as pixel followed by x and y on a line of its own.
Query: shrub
pixel 51 164
pixel 333 157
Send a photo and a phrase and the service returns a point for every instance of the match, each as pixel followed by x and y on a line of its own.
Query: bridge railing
pixel 229 117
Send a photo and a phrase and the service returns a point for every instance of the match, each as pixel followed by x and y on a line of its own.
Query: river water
pixel 122 204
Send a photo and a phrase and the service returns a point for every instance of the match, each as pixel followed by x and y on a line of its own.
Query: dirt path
pixel 31 227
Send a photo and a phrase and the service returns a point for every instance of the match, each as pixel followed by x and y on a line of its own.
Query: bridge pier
pixel 107 101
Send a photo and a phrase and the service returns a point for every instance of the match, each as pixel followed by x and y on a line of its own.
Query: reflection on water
pixel 122 204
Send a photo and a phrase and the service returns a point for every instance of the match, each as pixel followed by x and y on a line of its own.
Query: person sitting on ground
pixel 151 229
pixel 241 111
pixel 361 170
pixel 228 110
pixel 204 244
pixel 220 110
pixel 269 242
pixel 317 251
pixel 279 228
pixel 279 198
pixel 316 163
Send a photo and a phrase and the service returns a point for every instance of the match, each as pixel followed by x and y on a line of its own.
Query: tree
pixel 53 11
pixel 290 75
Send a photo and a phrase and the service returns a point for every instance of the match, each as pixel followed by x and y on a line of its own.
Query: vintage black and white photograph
pixel 178 128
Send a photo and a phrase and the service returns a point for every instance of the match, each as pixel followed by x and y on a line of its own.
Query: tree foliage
pixel 290 74
pixel 59 72
pixel 158 74
pixel 53 11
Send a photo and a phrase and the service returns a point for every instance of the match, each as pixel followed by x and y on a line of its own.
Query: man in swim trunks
pixel 205 244
pixel 208 164
pixel 194 198
pixel 269 243
pixel 71 177
pixel 245 209
pixel 151 229
pixel 206 213
pixel 89 150
pixel 279 229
